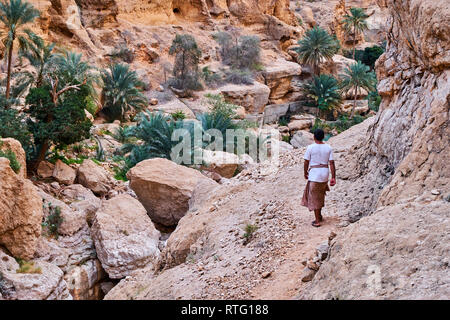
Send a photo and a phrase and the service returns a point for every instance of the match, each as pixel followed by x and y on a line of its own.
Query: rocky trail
pixel 207 258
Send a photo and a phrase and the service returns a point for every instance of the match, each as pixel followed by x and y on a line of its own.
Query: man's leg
pixel 318 215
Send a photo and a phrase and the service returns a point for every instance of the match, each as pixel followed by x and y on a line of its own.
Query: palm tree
pixel 316 46
pixel 357 76
pixel 324 90
pixel 70 68
pixel 121 91
pixel 355 22
pixel 14 15
pixel 40 56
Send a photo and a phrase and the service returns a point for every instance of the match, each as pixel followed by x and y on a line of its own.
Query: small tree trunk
pixel 41 155
pixel 354 43
pixel 354 103
pixel 8 81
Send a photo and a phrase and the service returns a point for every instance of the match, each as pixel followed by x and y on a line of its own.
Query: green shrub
pixel 237 76
pixel 283 121
pixel 11 156
pixel 374 100
pixel 178 115
pixel 249 230
pixel 123 53
pixel 27 267
pixel 325 93
pixel 122 91
pixel 211 79
pixel 242 53
pixel 53 221
pixel 185 70
pixel 13 125
pixel 218 106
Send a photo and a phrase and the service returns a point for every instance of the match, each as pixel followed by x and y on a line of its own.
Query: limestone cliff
pixel 400 251
pixel 407 149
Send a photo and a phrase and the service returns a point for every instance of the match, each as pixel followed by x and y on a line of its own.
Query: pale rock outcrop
pixel 296 125
pixel 173 106
pixel 408 144
pixel 223 163
pixel 125 237
pixel 278 77
pixel 63 173
pixel 164 188
pixel 362 106
pixel 337 66
pixel 20 213
pixel 82 199
pixel 84 281
pixel 45 169
pixel 302 139
pixel 399 252
pixel 308 16
pixel 252 97
pixel 93 177
pixel 72 220
pixel 47 284
pixel 16 147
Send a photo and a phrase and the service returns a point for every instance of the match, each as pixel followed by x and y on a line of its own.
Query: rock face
pixel 409 143
pixel 45 169
pixel 223 163
pixel 125 238
pixel 46 284
pixel 63 173
pixel 278 77
pixel 93 177
pixel 399 252
pixel 16 147
pixel 252 97
pixel 164 188
pixel 72 220
pixel 20 213
pixel 302 139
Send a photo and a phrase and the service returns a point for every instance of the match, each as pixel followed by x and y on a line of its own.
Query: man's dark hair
pixel 319 134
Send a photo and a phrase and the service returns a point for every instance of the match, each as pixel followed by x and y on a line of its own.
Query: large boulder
pixel 16 147
pixel 362 106
pixel 44 281
pixel 20 213
pixel 172 106
pixel 223 163
pixel 125 237
pixel 63 173
pixel 279 76
pixel 45 169
pixel 398 252
pixel 296 125
pixel 72 220
pixel 83 281
pixel 164 188
pixel 82 199
pixel 302 139
pixel 252 97
pixel 337 65
pixel 94 177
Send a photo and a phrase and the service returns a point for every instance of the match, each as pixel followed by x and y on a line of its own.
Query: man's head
pixel 319 134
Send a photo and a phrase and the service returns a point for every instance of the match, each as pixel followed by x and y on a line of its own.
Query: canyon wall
pixel 400 251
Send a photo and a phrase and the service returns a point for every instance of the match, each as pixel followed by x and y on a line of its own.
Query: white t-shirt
pixel 318 154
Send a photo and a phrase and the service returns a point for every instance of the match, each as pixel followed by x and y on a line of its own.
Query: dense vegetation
pixel 47 108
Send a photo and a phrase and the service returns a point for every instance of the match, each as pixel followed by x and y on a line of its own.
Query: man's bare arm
pixel 306 168
pixel 333 173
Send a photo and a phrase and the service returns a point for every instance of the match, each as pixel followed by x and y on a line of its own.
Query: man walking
pixel 317 157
